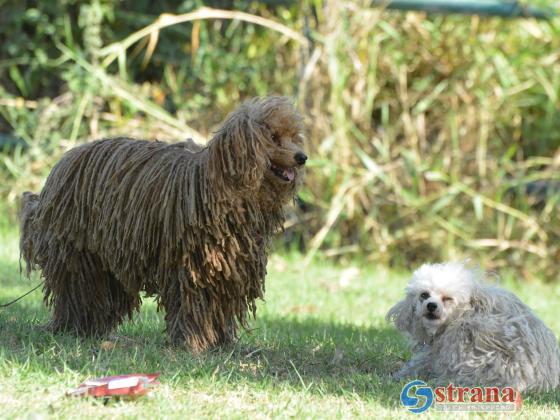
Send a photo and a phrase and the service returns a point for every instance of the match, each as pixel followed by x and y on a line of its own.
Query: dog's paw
pixel 398 376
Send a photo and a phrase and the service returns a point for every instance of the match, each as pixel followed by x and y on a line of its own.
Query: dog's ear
pixel 481 300
pixel 402 314
pixel 238 151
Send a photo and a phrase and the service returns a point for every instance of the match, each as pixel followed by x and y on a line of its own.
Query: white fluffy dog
pixel 468 333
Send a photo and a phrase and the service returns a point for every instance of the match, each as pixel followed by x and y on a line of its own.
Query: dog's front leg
pixel 194 316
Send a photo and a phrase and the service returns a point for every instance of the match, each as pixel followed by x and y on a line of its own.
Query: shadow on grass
pixel 301 354
pixel 307 354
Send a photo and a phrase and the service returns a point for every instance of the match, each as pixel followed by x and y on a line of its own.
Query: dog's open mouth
pixel 431 316
pixel 285 174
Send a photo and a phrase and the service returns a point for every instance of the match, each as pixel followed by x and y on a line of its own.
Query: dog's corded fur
pixel 188 224
pixel 467 332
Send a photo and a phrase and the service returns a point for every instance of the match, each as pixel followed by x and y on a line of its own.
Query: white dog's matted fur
pixel 467 332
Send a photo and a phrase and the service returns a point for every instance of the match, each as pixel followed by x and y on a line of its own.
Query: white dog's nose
pixel 431 307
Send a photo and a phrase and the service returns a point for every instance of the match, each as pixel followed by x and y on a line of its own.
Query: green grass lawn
pixel 319 348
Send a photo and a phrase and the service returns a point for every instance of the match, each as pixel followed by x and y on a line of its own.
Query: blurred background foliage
pixel 431 137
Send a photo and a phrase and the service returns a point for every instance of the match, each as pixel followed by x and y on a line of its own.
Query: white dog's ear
pixel 481 300
pixel 402 314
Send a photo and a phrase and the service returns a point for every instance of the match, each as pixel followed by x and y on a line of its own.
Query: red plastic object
pixel 132 385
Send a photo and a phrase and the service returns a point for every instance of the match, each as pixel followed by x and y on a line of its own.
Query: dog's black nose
pixel 300 158
pixel 431 306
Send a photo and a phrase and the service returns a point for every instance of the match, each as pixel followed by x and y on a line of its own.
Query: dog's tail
pixel 29 203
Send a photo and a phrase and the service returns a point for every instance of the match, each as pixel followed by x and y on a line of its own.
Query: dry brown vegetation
pixel 430 137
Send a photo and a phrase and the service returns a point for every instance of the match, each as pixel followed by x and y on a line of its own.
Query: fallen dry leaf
pixel 303 309
pixel 107 345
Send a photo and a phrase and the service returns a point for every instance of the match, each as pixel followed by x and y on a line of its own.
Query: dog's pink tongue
pixel 290 174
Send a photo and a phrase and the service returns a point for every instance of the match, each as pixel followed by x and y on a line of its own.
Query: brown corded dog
pixel 187 224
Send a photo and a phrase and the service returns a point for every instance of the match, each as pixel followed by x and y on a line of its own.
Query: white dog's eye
pixel 447 299
pixel 424 295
